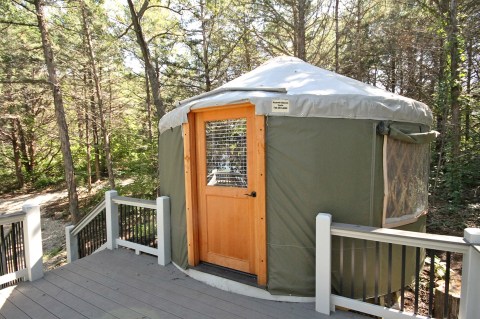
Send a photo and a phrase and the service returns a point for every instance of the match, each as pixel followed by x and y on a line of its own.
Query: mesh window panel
pixel 226 143
pixel 407 171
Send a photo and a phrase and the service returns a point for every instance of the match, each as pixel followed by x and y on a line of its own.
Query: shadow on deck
pixel 120 284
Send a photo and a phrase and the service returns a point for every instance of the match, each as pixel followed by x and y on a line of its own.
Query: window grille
pixel 226 151
pixel 406 178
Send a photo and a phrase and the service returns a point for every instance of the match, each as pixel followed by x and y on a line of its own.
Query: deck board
pixel 30 307
pixel 119 284
pixel 9 310
pixel 56 307
pixel 81 306
pixel 136 293
pixel 196 289
pixel 165 290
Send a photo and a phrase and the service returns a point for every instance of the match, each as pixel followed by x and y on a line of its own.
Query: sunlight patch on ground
pixel 15 204
pixel 126 182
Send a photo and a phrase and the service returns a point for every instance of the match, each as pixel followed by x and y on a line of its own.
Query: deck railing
pixel 20 246
pixel 138 224
pixel 396 242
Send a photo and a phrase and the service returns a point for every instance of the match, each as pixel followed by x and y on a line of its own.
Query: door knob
pixel 252 194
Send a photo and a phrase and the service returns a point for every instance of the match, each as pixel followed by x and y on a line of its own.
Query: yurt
pixel 249 165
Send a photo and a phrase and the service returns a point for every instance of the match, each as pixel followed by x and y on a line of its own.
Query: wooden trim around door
pixel 260 209
pixel 190 161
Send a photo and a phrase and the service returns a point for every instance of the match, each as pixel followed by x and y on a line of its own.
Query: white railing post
pixel 32 232
pixel 323 263
pixel 112 219
pixel 71 244
pixel 469 298
pixel 163 230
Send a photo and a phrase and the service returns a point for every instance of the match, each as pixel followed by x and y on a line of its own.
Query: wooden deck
pixel 119 284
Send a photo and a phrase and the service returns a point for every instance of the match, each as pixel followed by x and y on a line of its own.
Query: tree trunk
pixel 17 159
pixel 246 49
pixel 94 117
pixel 152 76
pixel 87 132
pixel 149 109
pixel 16 154
pixel 300 31
pixel 206 58
pixel 98 92
pixel 23 149
pixel 468 109
pixel 455 79
pixel 393 72
pixel 59 112
pixel 359 42
pixel 337 37
pixel 80 115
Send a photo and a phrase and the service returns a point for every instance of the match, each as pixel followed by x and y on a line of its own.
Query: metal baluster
pixel 431 283
pixel 3 251
pixel 417 279
pixel 144 226
pixel 14 247
pixel 377 270
pixel 447 284
pixel 130 233
pixel 402 291
pixel 120 226
pixel 95 233
pixel 389 280
pixel 352 265
pixel 341 266
pixel 364 292
pixel 22 243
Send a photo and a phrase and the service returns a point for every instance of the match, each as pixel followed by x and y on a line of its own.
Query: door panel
pixel 225 177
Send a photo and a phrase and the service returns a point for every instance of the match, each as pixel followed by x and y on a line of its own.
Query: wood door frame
pixel 260 229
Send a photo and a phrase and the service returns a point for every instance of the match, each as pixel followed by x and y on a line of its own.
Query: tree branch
pixel 18 23
pixel 24 6
pixel 24 81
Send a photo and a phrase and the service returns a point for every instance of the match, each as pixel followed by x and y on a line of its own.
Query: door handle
pixel 252 194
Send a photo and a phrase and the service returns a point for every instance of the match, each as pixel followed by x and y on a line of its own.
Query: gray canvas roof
pixel 310 92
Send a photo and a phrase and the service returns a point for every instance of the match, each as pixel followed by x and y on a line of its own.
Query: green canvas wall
pixel 172 184
pixel 313 165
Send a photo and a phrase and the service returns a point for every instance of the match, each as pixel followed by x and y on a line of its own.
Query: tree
pixel 59 111
pixel 300 28
pixel 149 67
pixel 98 92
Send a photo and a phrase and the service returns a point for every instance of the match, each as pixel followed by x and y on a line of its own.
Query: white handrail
pixel 401 237
pixel 88 218
pixel 12 217
pixel 119 200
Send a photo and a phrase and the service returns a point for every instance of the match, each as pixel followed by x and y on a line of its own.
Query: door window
pixel 226 152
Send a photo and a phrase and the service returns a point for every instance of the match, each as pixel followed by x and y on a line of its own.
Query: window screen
pixel 226 151
pixel 406 180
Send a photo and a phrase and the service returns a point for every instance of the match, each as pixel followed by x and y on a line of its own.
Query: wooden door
pixel 226 187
